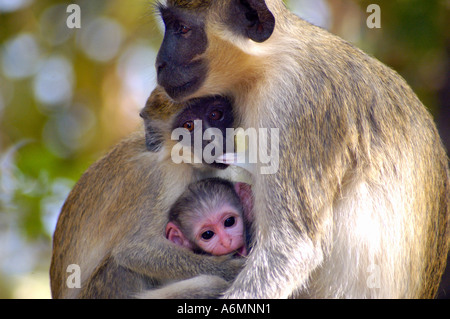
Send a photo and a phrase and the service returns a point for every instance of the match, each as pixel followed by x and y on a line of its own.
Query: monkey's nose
pixel 226 243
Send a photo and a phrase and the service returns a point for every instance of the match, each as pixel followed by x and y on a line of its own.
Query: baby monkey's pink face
pixel 221 232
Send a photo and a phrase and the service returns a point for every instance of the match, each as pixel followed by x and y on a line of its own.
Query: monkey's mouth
pixel 219 165
pixel 241 252
pixel 180 81
pixel 181 91
pixel 222 161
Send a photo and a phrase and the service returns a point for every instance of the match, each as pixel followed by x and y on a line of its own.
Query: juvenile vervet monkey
pixel 359 207
pixel 112 223
pixel 199 120
pixel 209 217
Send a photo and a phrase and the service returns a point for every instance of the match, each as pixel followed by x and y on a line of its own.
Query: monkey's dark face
pixel 213 112
pixel 180 68
pixel 193 63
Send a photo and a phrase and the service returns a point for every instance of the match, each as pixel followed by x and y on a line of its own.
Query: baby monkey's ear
pixel 174 234
pixel 245 193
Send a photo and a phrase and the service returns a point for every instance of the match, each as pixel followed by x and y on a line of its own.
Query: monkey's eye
pixel 189 125
pixel 229 222
pixel 207 235
pixel 181 29
pixel 215 115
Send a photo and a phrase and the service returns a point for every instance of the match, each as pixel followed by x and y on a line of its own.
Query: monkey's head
pixel 162 116
pixel 201 114
pixel 208 44
pixel 209 217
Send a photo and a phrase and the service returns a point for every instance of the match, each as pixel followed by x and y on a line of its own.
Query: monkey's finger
pixel 228 158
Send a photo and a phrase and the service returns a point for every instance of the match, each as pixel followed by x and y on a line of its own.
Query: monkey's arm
pixel 288 245
pixel 199 287
pixel 159 258
pixel 293 215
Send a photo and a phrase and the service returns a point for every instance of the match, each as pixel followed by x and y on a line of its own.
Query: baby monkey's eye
pixel 216 115
pixel 189 125
pixel 229 222
pixel 207 234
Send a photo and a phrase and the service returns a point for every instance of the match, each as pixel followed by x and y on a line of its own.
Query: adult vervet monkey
pixel 359 207
pixel 112 225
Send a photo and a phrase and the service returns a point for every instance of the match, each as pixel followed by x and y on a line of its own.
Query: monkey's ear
pixel 153 143
pixel 253 19
pixel 153 138
pixel 245 194
pixel 174 234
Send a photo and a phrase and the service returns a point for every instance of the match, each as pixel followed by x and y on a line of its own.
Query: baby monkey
pixel 212 216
